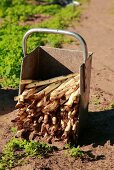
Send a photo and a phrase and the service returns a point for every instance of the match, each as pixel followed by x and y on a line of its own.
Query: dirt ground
pixel 97 28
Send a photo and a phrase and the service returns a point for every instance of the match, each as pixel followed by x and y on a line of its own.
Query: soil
pixel 33 19
pixel 97 140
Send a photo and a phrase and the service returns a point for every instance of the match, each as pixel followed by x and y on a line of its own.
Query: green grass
pixel 13 12
pixel 73 151
pixel 17 149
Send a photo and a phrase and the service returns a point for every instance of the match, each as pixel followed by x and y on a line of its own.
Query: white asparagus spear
pixel 72 113
pixel 46 91
pixel 32 105
pixel 25 94
pixel 53 129
pixel 38 96
pixel 40 119
pixel 46 118
pixel 19 105
pixel 69 114
pixel 43 129
pixel 51 107
pixel 68 127
pixel 67 95
pixel 62 124
pixel 71 90
pixel 16 98
pixel 32 135
pixel 42 102
pixel 49 81
pixel 74 126
pixel 54 120
pixel 72 98
pixel 26 82
pixel 64 87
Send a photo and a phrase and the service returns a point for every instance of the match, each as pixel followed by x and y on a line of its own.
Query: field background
pixel 95 22
pixel 17 17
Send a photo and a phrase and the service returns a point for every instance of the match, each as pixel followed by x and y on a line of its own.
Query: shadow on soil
pixel 90 157
pixel 100 129
pixel 7 103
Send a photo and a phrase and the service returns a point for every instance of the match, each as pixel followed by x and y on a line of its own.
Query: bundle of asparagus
pixel 49 109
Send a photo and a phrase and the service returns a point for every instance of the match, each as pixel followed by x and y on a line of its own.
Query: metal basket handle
pixel 53 31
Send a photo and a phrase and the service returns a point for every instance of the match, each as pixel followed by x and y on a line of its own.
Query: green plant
pixel 9 157
pixel 34 148
pixel 13 129
pixel 112 105
pixel 74 151
pixel 68 146
pixel 16 149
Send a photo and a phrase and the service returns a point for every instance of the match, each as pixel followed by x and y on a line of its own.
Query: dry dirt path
pixel 97 28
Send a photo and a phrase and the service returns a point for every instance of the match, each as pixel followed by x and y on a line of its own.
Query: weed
pixel 13 129
pixel 74 151
pixel 16 149
pixel 34 148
